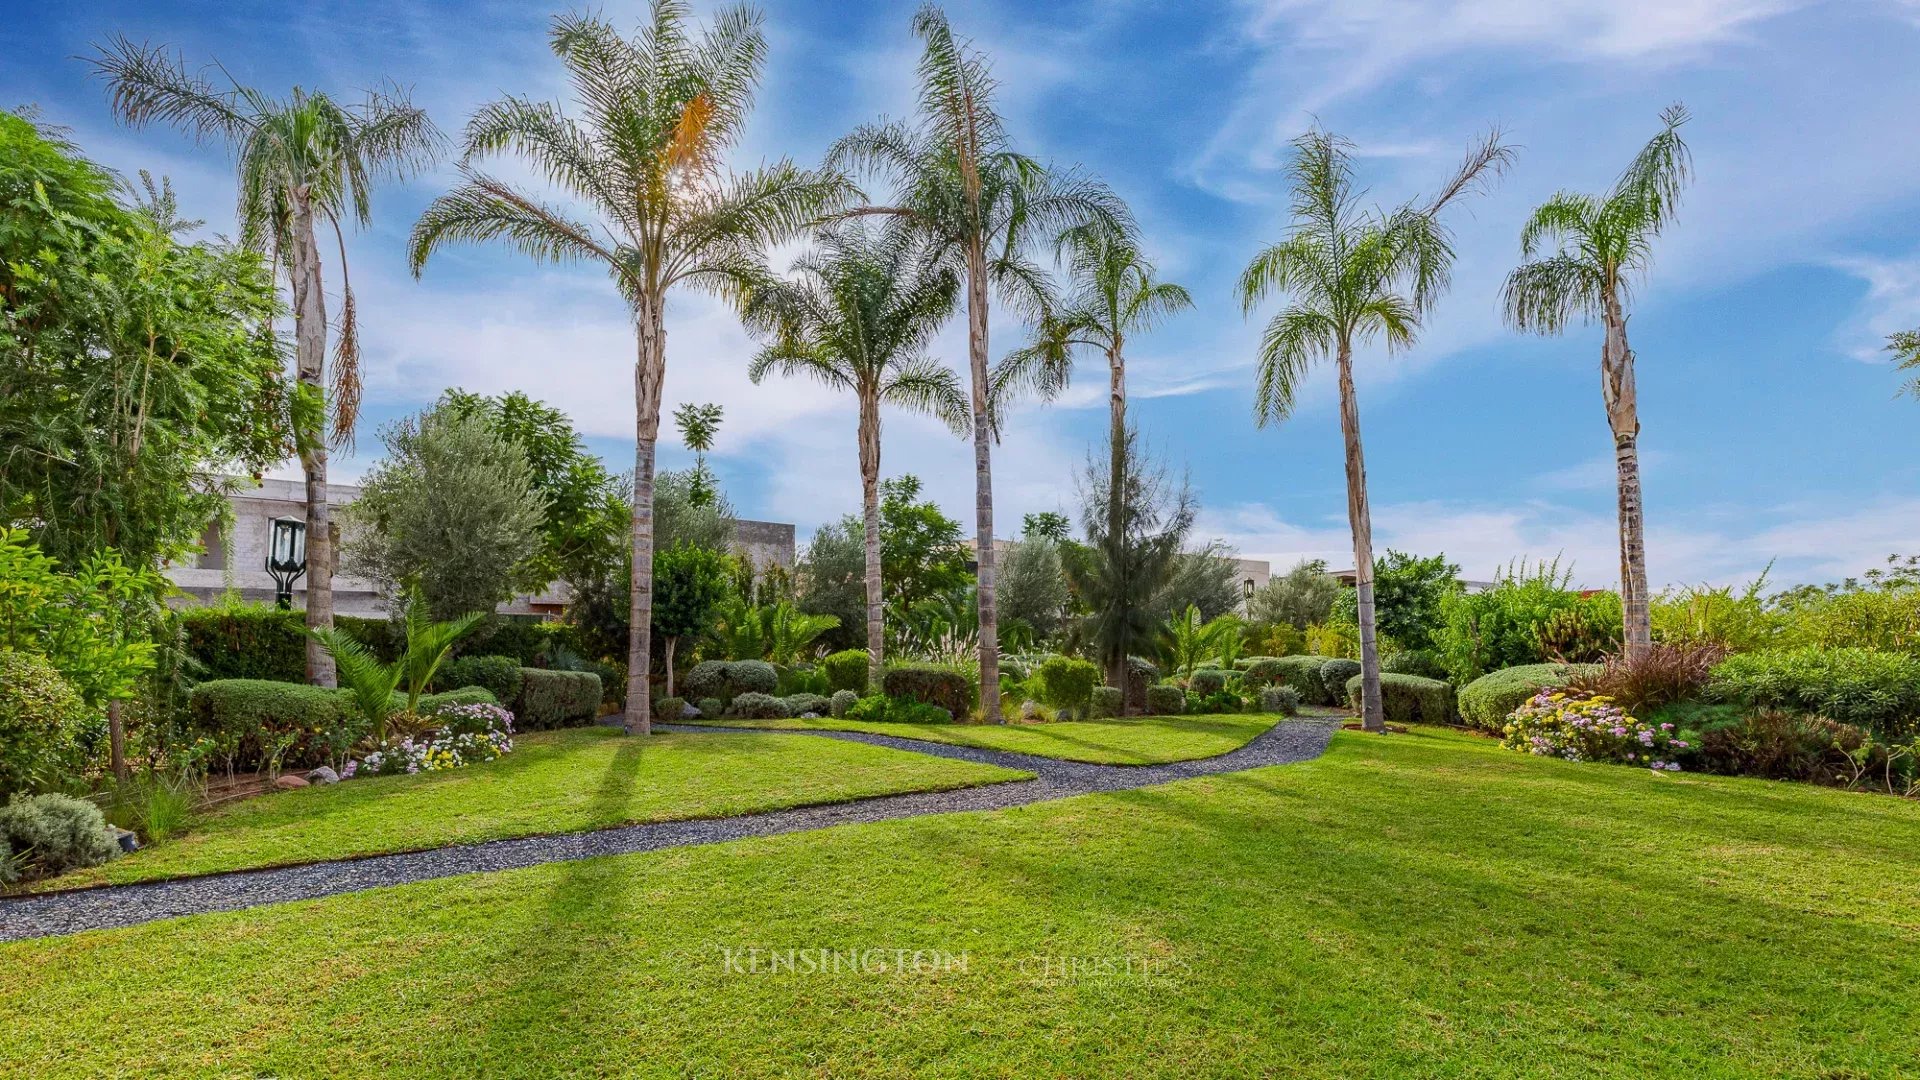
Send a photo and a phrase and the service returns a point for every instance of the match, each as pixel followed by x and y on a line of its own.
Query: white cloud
pixel 1892 303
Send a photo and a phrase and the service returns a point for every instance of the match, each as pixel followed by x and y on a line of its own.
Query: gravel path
pixel 129 905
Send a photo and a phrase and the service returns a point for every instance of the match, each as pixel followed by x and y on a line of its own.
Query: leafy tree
pixel 1207 578
pixel 601 604
pixel 832 580
pixel 1584 254
pixel 1033 587
pixel 657 115
pixel 699 425
pixel 689 584
pixel 134 373
pixel 1047 525
pixel 1352 275
pixel 856 314
pixel 1299 598
pixel 1409 592
pixel 301 158
pixel 921 555
pixel 582 532
pixel 451 510
pixel 978 205
pixel 776 632
pixel 1192 640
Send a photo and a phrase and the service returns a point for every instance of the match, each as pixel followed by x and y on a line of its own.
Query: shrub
pixel 880 708
pixel 1410 699
pixel 1104 702
pixel 1577 726
pixel 613 681
pixel 432 705
pixel 846 670
pixel 247 642
pixel 51 834
pixel 804 680
pixel 1879 691
pixel 1204 681
pixel 1486 701
pixel 1303 674
pixel 944 687
pixel 1422 662
pixel 1165 701
pixel 38 711
pixel 667 710
pixel 1220 701
pixel 753 705
pixel 751 677
pixel 1659 675
pixel 499 674
pixel 1067 682
pixel 1141 673
pixel 1529 616
pixel 1263 671
pixel 1246 663
pixel 841 701
pixel 801 704
pixel 711 708
pixel 708 679
pixel 551 699
pixel 1335 674
pixel 1780 745
pixel 1284 700
pixel 1887 620
pixel 248 719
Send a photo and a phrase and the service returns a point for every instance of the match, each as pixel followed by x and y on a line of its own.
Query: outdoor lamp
pixel 287 557
pixel 1246 588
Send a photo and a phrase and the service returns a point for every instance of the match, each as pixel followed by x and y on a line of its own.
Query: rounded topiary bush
pixel 1262 671
pixel 711 708
pixel 38 711
pixel 841 701
pixel 757 706
pixel 1067 682
pixel 1284 700
pixel 667 710
pixel 1166 701
pixel 551 699
pixel 1303 674
pixel 499 674
pixel 752 677
pixel 1422 662
pixel 56 833
pixel 1206 681
pixel 707 679
pixel 1335 673
pixel 930 684
pixel 1105 702
pixel 846 670
pixel 802 704
pixel 1485 702
pixel 1410 699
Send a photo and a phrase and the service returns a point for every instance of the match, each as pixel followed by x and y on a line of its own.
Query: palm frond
pixel 925 385
pixel 1293 340
pixel 1540 296
pixel 483 208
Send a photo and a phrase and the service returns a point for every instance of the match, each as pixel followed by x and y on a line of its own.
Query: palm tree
pixel 1114 296
pixel 1905 347
pixel 1584 253
pixel 857 315
pixel 644 157
pixel 1352 275
pixel 300 158
pixel 978 205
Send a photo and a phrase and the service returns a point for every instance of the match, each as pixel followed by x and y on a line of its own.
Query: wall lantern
pixel 287 557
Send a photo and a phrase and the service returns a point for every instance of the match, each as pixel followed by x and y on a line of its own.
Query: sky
pixel 1773 437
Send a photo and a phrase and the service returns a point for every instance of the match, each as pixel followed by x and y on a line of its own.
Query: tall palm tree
pixel 857 314
pixel 1905 347
pixel 978 205
pixel 1352 275
pixel 657 112
pixel 301 158
pixel 1584 254
pixel 1113 296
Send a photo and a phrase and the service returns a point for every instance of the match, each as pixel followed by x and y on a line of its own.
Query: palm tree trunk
pixel 1372 717
pixel 1116 500
pixel 649 372
pixel 870 512
pixel 310 358
pixel 1623 416
pixel 986 577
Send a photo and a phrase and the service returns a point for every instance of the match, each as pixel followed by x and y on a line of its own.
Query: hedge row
pixel 1486 701
pixel 1409 699
pixel 267 643
pixel 929 684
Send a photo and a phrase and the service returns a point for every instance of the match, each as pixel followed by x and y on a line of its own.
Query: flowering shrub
pixel 469 734
pixel 1578 726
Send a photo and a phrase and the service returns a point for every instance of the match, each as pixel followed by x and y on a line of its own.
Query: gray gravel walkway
pixel 129 905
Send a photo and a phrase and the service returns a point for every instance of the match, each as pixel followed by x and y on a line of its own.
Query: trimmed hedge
pixel 751 677
pixel 667 710
pixel 1879 691
pixel 1105 702
pixel 754 705
pixel 551 699
pixel 801 704
pixel 1204 682
pixel 1335 673
pixel 1262 671
pixel 1410 699
pixel 1485 702
pixel 499 674
pixel 38 711
pixel 706 679
pixel 1141 673
pixel 841 701
pixel 267 643
pixel 245 716
pixel 1422 662
pixel 1067 682
pixel 930 684
pixel 1303 674
pixel 846 670
pixel 465 695
pixel 711 708
pixel 1166 701
pixel 1284 700
pixel 613 681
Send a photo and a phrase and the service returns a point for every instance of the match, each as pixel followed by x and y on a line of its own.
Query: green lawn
pixel 554 781
pixel 1147 740
pixel 1411 905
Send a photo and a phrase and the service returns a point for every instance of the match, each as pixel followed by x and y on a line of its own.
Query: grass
pixel 554 781
pixel 1148 740
pixel 1411 905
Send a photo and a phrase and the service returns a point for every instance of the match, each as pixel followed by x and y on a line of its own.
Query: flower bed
pixel 468 734
pixel 1578 726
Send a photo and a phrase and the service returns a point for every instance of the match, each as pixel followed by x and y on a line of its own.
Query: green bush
pixel 754 705
pixel 1263 671
pixel 268 643
pixel 1165 701
pixel 499 674
pixel 1067 682
pixel 841 701
pixel 1104 702
pixel 751 677
pixel 1410 699
pixel 1336 673
pixel 1303 674
pixel 51 834
pixel 1422 662
pixel 431 704
pixel 1531 615
pixel 667 710
pixel 1485 702
pixel 613 681
pixel 39 710
pixel 711 708
pixel 1206 681
pixel 1879 691
pixel 879 708
pixel 801 704
pixel 552 699
pixel 1777 745
pixel 846 670
pixel 1284 700
pixel 943 687
pixel 708 679
pixel 1141 673
pixel 802 679
pixel 246 719
pixel 530 639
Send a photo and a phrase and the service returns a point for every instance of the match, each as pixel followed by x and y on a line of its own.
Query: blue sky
pixel 1771 430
